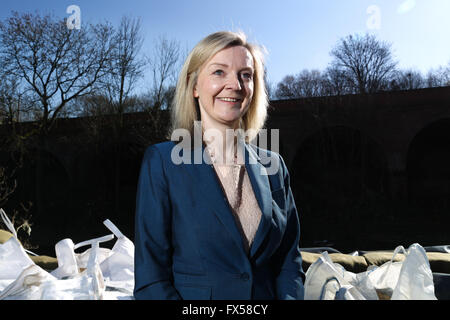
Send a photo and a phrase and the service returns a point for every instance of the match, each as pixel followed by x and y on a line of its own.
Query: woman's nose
pixel 234 82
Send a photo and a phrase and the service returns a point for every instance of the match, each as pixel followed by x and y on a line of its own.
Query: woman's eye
pixel 247 75
pixel 218 72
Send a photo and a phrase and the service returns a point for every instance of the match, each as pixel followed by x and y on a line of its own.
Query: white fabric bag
pixel 385 277
pixel 34 283
pixel 101 253
pixel 67 262
pixel 27 286
pixel 95 274
pixel 71 263
pixel 118 267
pixel 416 279
pixel 410 279
pixel 326 280
pixel 13 257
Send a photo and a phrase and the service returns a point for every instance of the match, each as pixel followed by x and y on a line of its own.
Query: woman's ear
pixel 193 77
pixel 195 91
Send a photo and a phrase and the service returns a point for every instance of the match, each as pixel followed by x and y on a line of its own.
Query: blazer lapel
pixel 211 193
pixel 261 188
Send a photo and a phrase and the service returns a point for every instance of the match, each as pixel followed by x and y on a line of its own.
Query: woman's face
pixel 225 87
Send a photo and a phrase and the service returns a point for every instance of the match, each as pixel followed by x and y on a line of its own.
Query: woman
pixel 223 227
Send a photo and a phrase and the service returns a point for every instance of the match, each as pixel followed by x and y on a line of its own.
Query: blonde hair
pixel 184 106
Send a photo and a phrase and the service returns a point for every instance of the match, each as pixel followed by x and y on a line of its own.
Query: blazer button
pixel 245 276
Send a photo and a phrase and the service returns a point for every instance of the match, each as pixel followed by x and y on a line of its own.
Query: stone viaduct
pixel 346 155
pixel 406 129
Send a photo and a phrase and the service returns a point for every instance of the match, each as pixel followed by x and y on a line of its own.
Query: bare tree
pixel 407 80
pixel 114 92
pixel 439 77
pixel 286 88
pixel 126 67
pixel 365 61
pixel 336 82
pixel 308 83
pixel 311 83
pixel 15 107
pixel 56 64
pixel 164 67
pixel 114 96
pixel 14 102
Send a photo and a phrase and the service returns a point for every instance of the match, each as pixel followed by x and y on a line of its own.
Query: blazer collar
pixel 215 198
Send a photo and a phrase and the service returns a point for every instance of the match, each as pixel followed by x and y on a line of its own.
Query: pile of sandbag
pixel 95 274
pixel 408 279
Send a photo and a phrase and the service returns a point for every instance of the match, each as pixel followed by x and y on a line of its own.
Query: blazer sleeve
pixel 290 279
pixel 153 250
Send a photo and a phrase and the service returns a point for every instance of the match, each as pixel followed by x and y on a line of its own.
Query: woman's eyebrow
pixel 226 66
pixel 218 64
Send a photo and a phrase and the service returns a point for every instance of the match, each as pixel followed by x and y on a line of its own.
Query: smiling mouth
pixel 229 99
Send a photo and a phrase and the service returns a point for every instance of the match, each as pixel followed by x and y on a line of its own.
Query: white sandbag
pixel 326 280
pixel 34 283
pixel 118 268
pixel 27 285
pixel 101 253
pixel 384 278
pixel 410 279
pixel 71 263
pixel 415 281
pixel 95 274
pixel 115 265
pixel 67 262
pixel 13 259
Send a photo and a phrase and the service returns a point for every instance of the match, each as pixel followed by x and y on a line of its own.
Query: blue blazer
pixel 187 243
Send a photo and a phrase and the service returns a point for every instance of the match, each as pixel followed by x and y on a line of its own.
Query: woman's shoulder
pixel 270 159
pixel 162 146
pixel 161 149
pixel 263 153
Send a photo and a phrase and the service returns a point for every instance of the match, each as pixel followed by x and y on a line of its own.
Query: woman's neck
pixel 221 142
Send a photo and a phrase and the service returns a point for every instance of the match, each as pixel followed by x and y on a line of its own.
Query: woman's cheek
pixel 215 87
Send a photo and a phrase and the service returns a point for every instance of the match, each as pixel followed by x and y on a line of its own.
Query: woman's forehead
pixel 237 55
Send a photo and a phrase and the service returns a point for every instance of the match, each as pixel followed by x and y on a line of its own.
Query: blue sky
pixel 298 34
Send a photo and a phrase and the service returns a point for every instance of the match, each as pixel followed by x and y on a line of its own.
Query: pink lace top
pixel 242 200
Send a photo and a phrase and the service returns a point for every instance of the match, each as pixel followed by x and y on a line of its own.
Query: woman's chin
pixel 230 121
